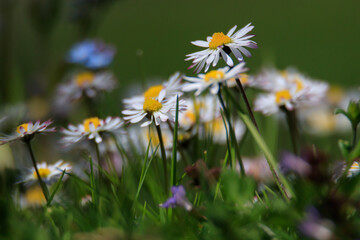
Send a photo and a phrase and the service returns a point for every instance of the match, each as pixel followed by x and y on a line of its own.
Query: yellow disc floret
pixel 219 39
pixel 214 75
pixel 153 91
pixel 35 196
pixel 95 121
pixel 151 105
pixel 281 96
pixel 84 79
pixel 299 84
pixel 244 78
pixel 25 126
pixel 43 172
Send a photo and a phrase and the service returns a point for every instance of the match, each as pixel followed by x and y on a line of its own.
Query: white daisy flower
pixel 171 87
pixel 49 173
pixel 288 89
pixel 91 128
pixel 218 131
pixel 27 130
pixel 87 84
pixel 205 108
pixel 245 79
pixel 156 109
pixel 221 44
pixel 212 79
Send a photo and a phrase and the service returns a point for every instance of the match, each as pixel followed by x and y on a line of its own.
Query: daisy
pixel 218 131
pixel 204 109
pixel 27 130
pixel 91 128
pixel 221 44
pixel 156 109
pixel 171 87
pixel 289 90
pixel 48 173
pixel 93 54
pixel 212 79
pixel 245 79
pixel 87 84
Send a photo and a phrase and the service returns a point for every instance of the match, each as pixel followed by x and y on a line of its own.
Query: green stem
pixel 232 134
pixel 243 94
pixel 163 157
pixel 354 128
pixel 292 123
pixel 41 182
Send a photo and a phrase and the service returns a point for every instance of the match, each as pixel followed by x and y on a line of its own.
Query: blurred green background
pixel 319 37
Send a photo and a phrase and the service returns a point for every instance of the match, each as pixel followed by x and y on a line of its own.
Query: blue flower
pixel 91 54
pixel 178 199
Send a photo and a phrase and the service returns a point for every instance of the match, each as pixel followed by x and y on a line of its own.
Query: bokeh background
pixel 318 37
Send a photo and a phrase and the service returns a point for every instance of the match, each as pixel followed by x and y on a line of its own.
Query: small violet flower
pixel 178 199
pixel 92 54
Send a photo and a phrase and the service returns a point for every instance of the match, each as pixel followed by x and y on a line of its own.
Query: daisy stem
pixel 354 128
pixel 163 156
pixel 99 162
pixel 181 149
pixel 43 186
pixel 291 120
pixel 232 134
pixel 243 94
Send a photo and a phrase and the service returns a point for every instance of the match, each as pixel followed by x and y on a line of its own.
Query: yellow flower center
pixel 153 91
pixel 95 121
pixel 43 172
pixel 35 196
pixel 244 78
pixel 284 74
pixel 335 94
pixel 214 75
pixel 84 79
pixel 299 84
pixel 283 95
pixel 151 105
pixel 189 117
pixel 25 126
pixel 219 39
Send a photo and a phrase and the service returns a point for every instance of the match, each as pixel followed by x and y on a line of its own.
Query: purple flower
pixel 92 54
pixel 316 227
pixel 178 199
pixel 293 163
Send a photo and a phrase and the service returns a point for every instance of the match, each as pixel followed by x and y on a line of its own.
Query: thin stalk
pixel 180 148
pixel 98 159
pixel 243 94
pixel 163 156
pixel 232 134
pixel 354 128
pixel 292 123
pixel 281 181
pixel 41 182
